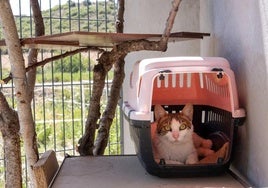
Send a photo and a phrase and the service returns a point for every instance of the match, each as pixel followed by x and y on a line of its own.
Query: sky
pixel 25 4
pixel 44 5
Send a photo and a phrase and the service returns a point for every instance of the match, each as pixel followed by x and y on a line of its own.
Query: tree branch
pixel 20 83
pixel 38 19
pixel 57 57
pixel 32 56
pixel 120 17
pixel 54 58
pixel 169 23
pixel 107 60
pixel 86 143
pixel 9 127
pixel 109 113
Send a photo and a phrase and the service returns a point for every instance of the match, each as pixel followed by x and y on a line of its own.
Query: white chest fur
pixel 175 151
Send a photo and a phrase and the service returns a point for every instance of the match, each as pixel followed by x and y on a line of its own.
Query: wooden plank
pixel 71 40
pixel 45 168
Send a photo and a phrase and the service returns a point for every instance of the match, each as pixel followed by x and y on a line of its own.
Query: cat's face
pixel 175 128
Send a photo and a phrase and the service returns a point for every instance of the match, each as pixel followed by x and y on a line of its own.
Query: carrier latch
pixel 220 72
pixel 162 77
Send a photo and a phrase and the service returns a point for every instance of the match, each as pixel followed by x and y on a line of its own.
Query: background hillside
pixel 97 16
pixel 85 16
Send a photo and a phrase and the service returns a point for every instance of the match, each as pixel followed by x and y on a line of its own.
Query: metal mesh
pixel 63 87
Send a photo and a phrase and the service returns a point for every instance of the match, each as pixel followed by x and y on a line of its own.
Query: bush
pixel 71 64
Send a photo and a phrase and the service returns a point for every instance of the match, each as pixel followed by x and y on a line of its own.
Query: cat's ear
pixel 188 111
pixel 159 111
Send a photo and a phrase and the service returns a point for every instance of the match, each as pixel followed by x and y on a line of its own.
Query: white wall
pixel 240 34
pixel 149 16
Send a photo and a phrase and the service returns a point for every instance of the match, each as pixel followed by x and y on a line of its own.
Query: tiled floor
pixel 125 171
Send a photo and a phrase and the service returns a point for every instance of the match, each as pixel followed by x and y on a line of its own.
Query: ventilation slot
pixel 214 88
pixel 177 80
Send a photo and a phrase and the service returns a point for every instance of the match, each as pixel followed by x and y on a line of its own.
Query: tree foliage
pixel 71 65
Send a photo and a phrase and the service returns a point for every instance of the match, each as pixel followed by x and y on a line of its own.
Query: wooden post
pixel 45 169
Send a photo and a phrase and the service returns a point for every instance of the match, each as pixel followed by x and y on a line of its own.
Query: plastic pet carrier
pixel 206 82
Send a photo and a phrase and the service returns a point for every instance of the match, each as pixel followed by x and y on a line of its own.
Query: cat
pixel 172 137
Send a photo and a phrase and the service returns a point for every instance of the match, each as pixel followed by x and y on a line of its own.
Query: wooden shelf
pixel 78 39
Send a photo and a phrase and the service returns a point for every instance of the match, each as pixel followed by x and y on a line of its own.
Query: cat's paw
pixel 192 158
pixel 169 162
pixel 191 161
pixel 173 162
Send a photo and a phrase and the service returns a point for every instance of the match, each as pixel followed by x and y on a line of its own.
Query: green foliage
pixel 114 146
pixel 60 111
pixel 2 173
pixel 59 122
pixel 86 16
pixel 72 64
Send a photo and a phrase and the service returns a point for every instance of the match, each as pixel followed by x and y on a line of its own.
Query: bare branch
pixel 120 17
pixel 32 56
pixel 86 143
pixel 54 58
pixel 169 23
pixel 38 19
pixel 7 79
pixel 107 60
pixel 18 71
pixel 109 113
pixel 9 127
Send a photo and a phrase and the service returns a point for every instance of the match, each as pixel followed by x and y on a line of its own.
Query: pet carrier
pixel 206 82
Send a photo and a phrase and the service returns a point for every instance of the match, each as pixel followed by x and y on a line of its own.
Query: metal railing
pixel 63 88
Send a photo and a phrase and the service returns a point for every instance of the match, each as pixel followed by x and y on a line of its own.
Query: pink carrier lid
pixel 181 80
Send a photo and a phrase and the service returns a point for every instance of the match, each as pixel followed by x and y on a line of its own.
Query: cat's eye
pixel 183 126
pixel 167 128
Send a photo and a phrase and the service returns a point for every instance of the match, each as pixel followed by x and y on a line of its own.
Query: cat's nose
pixel 175 135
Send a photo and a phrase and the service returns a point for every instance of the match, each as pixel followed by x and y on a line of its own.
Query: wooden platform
pixel 78 39
pixel 125 171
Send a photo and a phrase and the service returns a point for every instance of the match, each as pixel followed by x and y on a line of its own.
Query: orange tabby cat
pixel 172 141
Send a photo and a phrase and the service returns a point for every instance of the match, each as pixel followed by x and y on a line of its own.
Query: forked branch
pixel 107 61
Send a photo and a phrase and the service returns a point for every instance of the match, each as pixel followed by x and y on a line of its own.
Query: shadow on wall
pixel 240 29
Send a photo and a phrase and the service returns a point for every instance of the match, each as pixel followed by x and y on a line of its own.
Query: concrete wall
pixel 239 32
